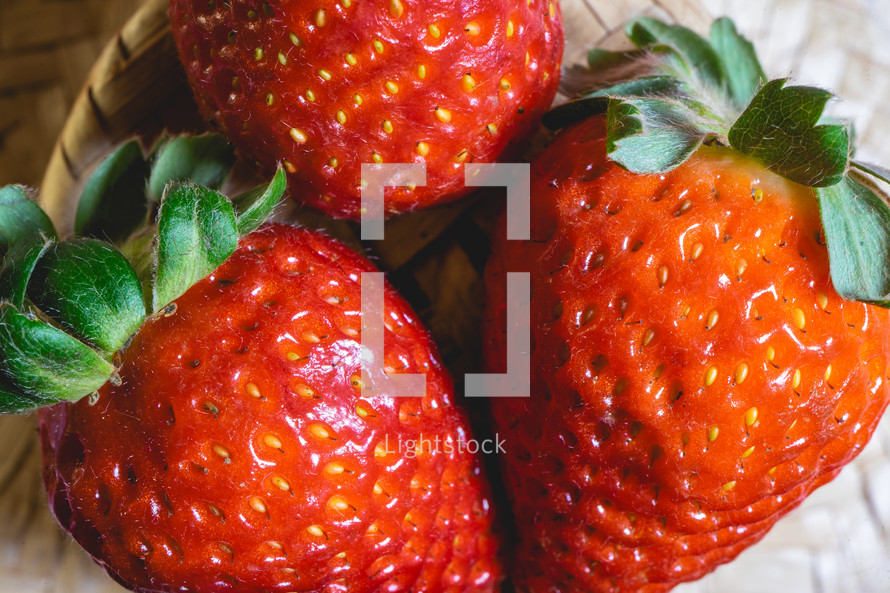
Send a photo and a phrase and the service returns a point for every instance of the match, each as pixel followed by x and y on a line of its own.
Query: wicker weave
pixel 838 542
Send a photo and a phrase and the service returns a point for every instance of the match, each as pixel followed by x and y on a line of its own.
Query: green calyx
pixel 678 91
pixel 146 230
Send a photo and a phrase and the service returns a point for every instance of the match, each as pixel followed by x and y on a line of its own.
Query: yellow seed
pixel 387 126
pixel 757 194
pixel 252 390
pixel 272 441
pixel 392 87
pixel 551 10
pixel 341 116
pixel 270 99
pixel 310 96
pixel 799 319
pixel 662 275
pixel 338 503
pixel 316 531
pixel 795 380
pixel 685 312
pixel 528 58
pixel 221 451
pixel 491 128
pixel 713 432
pixel 770 353
pixel 321 17
pixel 282 58
pixel 747 452
pixel 822 300
pixel 380 451
pixel 648 336
pixel 422 148
pixel 281 483
pixel 356 381
pixel 710 375
pixel 289 167
pixel 320 431
pixel 504 84
pixel 741 373
pixel 295 40
pixel 473 28
pixel 378 46
pixel 258 505
pixel 299 136
pixel 258 54
pixel 375 156
pixel 357 98
pixel 421 71
pixel 396 8
pixel 351 59
pixel 468 83
pixel 334 468
pixel 462 156
pixel 333 162
pixel 324 74
pixel 728 486
pixel 434 30
pixel 713 316
pixel 378 489
pixel 696 251
pixel 509 28
pixel 740 267
pixel 751 416
pixel 443 114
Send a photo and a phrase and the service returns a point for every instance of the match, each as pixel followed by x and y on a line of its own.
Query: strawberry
pixel 234 445
pixel 325 86
pixel 710 342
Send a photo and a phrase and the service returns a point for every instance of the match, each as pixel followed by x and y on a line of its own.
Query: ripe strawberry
pixel 325 86
pixel 695 371
pixel 235 447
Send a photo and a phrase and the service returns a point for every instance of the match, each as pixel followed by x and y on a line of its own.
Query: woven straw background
pixel 838 542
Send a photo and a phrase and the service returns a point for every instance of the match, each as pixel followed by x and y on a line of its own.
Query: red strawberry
pixel 234 447
pixel 325 86
pixel 239 454
pixel 695 371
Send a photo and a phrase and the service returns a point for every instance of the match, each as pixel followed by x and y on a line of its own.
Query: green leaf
pixel 113 203
pixel 15 401
pixel 21 259
pixel 700 57
pixel 744 75
pixel 197 231
pixel 878 171
pixel 781 128
pixel 649 135
pixel 651 87
pixel 205 160
pixel 46 363
pixel 90 289
pixel 254 207
pixel 856 222
pixel 20 216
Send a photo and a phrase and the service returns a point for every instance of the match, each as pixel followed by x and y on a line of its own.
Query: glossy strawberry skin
pixel 325 86
pixel 239 454
pixel 696 373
